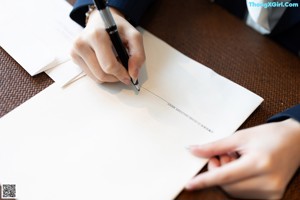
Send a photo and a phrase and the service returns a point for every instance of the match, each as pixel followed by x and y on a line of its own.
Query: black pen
pixel 112 30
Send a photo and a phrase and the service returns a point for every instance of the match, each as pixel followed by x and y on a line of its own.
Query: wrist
pixel 292 127
pixel 91 10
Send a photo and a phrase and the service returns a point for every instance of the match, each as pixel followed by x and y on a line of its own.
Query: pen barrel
pixel 100 4
pixel 118 45
pixel 107 18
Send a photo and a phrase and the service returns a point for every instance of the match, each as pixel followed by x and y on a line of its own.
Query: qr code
pixel 8 191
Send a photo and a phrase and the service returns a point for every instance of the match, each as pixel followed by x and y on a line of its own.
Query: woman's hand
pixel 255 163
pixel 93 52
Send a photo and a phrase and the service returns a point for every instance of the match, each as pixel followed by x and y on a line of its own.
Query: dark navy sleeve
pixel 132 9
pixel 293 112
pixel 79 9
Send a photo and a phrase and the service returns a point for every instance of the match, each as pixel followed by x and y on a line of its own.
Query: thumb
pixel 134 65
pixel 220 147
pixel 137 53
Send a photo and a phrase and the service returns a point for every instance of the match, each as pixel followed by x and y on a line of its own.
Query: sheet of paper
pixel 38 34
pixel 90 141
pixel 65 73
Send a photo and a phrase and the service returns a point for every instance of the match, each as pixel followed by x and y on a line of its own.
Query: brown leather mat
pixel 213 37
pixel 16 85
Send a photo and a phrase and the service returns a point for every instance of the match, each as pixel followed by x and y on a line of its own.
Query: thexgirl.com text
pixel 274 4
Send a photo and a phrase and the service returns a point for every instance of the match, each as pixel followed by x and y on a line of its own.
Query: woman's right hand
pixel 93 52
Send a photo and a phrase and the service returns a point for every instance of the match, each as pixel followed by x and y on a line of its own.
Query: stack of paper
pixel 90 141
pixel 39 34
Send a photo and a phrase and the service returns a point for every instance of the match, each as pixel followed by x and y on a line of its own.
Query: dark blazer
pixel 293 112
pixel 286 32
pixel 132 9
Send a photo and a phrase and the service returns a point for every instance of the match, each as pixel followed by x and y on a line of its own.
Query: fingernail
pixel 191 147
pixel 134 80
pixel 187 148
pixel 126 81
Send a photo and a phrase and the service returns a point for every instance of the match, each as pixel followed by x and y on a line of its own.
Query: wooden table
pixel 213 37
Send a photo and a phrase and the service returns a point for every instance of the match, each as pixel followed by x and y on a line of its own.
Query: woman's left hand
pixel 257 162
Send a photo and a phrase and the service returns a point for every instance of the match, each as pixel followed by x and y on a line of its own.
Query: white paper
pixel 65 73
pixel 38 34
pixel 90 141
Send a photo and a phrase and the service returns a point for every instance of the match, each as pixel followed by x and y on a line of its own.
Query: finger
pixel 226 174
pixel 233 156
pixel 213 163
pixel 89 57
pixel 224 159
pixel 219 147
pixel 80 62
pixel 103 49
pixel 136 51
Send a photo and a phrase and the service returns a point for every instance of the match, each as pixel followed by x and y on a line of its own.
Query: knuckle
pixel 109 68
pixel 138 59
pixel 97 34
pixel 79 43
pixel 137 35
pixel 101 77
pixel 142 57
pixel 265 164
pixel 73 55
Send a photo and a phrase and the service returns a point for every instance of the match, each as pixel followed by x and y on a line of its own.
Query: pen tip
pixel 136 84
pixel 137 87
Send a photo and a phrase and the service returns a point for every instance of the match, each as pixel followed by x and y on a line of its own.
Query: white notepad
pixel 90 141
